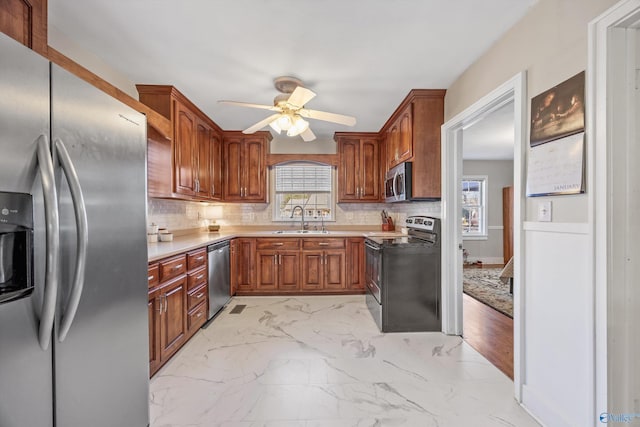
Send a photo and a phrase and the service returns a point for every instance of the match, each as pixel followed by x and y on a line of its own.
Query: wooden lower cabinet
pixel 178 304
pixel 263 266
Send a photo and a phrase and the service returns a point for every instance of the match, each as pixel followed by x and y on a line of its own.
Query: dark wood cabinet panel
pixel 267 274
pixel 288 271
pixel 196 318
pixel 334 270
pixel 245 178
pixel 173 325
pixel 154 308
pixel 243 264
pixel 184 151
pixel 355 264
pixel 359 172
pixel 312 270
pixel 202 161
pixel 26 22
pixel 216 164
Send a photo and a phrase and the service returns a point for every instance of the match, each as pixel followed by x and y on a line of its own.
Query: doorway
pixel 614 109
pixel 487 207
pixel 513 91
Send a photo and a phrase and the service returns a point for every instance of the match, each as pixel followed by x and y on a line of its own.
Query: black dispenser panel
pixel 16 246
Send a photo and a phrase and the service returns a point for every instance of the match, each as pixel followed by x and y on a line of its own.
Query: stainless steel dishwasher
pixel 219 290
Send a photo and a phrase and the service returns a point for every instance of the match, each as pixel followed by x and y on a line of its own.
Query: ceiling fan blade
pixel 261 124
pixel 308 135
pixel 328 117
pixel 250 105
pixel 300 96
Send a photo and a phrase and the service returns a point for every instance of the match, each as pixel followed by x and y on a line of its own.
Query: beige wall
pixel 550 43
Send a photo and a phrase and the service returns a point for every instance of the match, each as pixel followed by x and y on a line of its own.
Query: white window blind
pixel 303 178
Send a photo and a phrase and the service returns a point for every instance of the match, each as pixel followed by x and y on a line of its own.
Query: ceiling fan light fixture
pixel 299 126
pixel 274 126
pixel 284 122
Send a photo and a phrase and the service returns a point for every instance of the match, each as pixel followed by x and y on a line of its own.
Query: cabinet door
pixel 393 137
pixel 216 153
pixel 355 268
pixel 312 270
pixel 267 274
pixel 184 143
pixel 246 273
pixel 369 167
pixel 289 271
pixel 335 269
pixel 348 173
pixel 404 150
pixel 233 178
pixel 173 325
pixel 203 161
pixel 234 267
pixel 154 331
pixel 254 164
pixel 26 22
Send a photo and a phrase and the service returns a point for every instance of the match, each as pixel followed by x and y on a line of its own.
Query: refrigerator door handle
pixel 82 242
pixel 52 227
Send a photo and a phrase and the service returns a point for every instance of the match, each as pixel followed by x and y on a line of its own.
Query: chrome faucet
pixel 302 211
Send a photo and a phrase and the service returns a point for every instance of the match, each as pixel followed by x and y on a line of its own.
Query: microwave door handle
pixel 52 237
pixel 395 179
pixel 82 241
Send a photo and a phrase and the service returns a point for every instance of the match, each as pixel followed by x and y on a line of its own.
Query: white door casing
pixel 512 90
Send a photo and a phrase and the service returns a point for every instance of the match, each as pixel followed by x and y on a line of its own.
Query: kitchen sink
pixel 301 232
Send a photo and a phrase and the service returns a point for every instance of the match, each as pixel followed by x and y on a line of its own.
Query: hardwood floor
pixel 490 332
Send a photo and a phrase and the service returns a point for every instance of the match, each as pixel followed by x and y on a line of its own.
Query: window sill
pixel 475 237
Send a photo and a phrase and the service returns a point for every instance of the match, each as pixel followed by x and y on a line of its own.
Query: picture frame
pixel 559 111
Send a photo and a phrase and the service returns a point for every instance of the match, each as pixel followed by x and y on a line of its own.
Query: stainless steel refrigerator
pixel 73 253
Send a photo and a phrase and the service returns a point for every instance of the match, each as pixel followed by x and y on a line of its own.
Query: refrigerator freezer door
pixel 25 369
pixel 102 364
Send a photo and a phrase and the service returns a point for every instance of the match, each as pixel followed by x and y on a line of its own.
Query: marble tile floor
pixel 320 361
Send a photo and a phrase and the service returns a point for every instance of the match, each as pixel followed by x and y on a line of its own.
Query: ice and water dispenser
pixel 16 246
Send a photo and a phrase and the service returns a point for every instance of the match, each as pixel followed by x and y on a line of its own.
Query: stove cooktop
pixel 398 241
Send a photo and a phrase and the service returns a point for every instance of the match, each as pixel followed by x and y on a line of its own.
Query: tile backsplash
pixel 182 215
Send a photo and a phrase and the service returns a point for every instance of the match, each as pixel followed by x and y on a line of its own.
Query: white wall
pixel 558 369
pixel 499 174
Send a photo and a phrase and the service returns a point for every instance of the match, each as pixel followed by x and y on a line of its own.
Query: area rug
pixel 484 285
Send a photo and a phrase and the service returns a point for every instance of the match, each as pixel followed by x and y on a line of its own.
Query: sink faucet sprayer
pixel 302 211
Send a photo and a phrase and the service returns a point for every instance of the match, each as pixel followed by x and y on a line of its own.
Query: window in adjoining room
pixel 305 184
pixel 474 207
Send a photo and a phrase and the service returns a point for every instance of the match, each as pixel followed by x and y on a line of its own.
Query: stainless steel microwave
pixel 397 183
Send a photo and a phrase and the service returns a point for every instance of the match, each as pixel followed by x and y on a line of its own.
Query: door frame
pixel 608 95
pixel 515 89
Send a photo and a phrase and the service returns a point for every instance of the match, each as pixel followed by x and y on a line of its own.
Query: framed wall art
pixel 558 112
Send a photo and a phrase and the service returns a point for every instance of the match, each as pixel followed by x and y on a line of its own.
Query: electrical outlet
pixel 544 211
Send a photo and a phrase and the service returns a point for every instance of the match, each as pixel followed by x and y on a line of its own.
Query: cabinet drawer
pixel 279 244
pixel 196 278
pixel 173 267
pixel 196 296
pixel 153 273
pixel 197 258
pixel 197 316
pixel 321 243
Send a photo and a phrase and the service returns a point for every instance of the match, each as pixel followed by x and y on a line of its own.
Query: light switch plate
pixel 544 211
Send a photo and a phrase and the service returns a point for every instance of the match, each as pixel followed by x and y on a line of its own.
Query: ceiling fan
pixel 291 114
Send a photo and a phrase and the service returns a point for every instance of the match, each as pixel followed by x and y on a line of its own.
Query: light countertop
pixel 188 242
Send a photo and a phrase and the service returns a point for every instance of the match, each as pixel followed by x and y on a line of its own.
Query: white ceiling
pixel 491 138
pixel 360 56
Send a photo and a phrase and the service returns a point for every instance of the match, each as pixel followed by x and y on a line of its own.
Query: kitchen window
pixel 474 207
pixel 305 184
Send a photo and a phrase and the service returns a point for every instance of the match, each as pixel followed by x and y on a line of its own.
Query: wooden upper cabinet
pixel 359 172
pixel 186 167
pixel 26 22
pixel 185 134
pixel 412 134
pixel 245 178
pixel 216 172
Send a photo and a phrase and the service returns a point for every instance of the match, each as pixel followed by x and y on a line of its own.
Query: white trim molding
pixel 515 89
